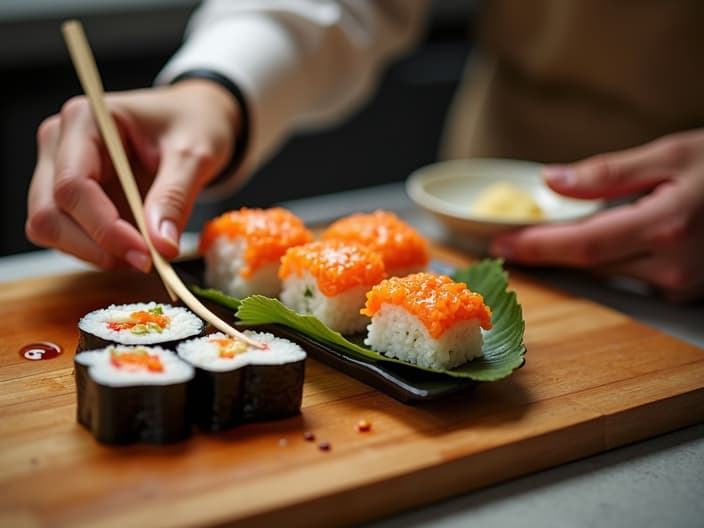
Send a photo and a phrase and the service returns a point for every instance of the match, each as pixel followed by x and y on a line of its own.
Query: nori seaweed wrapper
pixel 224 399
pixel 154 414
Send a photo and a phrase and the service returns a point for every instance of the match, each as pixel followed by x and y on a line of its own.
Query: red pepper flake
pixel 363 426
pixel 324 446
pixel 308 436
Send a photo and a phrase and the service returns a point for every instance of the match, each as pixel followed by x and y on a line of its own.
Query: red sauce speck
pixel 40 350
pixel 363 426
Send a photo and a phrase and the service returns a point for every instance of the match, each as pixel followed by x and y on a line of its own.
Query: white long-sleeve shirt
pixel 299 63
pixel 555 81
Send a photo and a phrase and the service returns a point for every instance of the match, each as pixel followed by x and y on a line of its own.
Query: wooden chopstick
pixel 84 63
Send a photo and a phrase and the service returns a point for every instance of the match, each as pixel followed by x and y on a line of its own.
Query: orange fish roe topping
pixel 336 265
pixel 268 234
pixel 138 359
pixel 142 322
pixel 436 300
pixel 398 243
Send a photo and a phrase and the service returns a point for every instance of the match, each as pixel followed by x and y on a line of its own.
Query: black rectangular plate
pixel 406 384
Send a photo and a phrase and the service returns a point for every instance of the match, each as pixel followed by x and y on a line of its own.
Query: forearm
pixel 299 64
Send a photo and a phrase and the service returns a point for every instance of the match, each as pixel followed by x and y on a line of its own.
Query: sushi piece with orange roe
pixel 243 248
pixel 426 319
pixel 329 279
pixel 403 248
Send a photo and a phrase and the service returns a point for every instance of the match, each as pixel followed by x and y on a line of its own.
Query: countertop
pixel 657 482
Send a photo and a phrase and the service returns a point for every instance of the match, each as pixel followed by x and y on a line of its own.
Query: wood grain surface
pixel 594 379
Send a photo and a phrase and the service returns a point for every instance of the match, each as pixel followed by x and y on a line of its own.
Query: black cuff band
pixel 241 139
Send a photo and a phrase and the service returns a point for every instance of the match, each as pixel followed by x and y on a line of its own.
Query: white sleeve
pixel 299 63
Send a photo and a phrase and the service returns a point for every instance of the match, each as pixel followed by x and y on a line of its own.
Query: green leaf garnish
pixel 503 347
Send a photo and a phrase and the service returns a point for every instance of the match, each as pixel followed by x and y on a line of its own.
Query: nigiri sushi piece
pixel 236 383
pixel 147 323
pixel 329 279
pixel 426 319
pixel 133 394
pixel 403 248
pixel 243 248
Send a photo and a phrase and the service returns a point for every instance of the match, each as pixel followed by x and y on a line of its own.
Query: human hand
pixel 178 137
pixel 659 238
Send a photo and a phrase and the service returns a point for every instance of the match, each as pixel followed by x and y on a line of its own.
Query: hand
pixel 658 238
pixel 178 137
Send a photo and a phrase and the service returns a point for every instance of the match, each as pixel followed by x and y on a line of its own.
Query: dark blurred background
pixel 397 130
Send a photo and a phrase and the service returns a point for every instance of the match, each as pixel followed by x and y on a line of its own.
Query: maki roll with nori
pixel 236 383
pixel 133 394
pixel 138 324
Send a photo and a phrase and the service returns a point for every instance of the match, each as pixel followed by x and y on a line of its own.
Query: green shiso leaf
pixel 503 347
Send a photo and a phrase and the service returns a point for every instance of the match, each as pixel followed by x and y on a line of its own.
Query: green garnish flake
pixel 308 292
pixel 157 310
pixel 139 329
pixel 155 328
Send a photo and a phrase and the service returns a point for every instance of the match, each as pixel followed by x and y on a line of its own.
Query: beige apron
pixel 559 80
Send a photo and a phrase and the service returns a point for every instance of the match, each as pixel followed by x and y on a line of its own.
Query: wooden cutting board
pixel 594 379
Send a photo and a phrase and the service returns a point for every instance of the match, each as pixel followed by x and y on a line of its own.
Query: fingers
pixel 679 277
pixel 47 225
pixel 610 236
pixel 67 207
pixel 619 174
pixel 184 168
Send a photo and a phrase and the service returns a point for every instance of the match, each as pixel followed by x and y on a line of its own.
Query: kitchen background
pixel 396 132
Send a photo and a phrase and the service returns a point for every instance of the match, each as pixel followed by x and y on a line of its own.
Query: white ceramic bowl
pixel 448 189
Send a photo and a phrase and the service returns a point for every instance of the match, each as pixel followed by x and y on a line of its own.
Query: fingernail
pixel 169 232
pixel 138 260
pixel 559 175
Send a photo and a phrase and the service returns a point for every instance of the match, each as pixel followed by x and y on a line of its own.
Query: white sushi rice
pixel 223 262
pixel 396 333
pixel 337 312
pixel 202 352
pixel 103 372
pixel 182 324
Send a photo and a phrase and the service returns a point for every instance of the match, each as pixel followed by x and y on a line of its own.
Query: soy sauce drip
pixel 40 350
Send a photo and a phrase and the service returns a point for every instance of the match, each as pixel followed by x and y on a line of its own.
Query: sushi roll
pixel 403 249
pixel 242 249
pixel 426 319
pixel 329 279
pixel 235 383
pixel 133 394
pixel 138 324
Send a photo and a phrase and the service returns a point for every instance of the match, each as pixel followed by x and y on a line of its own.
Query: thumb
pixel 614 175
pixel 170 199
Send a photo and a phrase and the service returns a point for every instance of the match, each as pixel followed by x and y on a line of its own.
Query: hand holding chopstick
pixel 87 71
